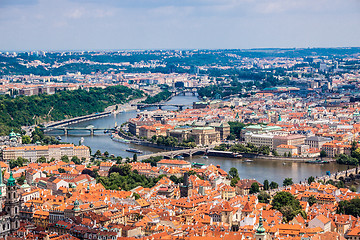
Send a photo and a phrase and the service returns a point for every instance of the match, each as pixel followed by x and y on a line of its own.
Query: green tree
pixel 106 153
pixel 76 160
pixel 97 153
pixel 254 188
pixel 26 139
pixel 135 157
pixel 266 185
pixel 323 154
pixel 286 203
pixel 233 173
pixel 351 207
pixel 352 188
pixel 65 159
pixel 287 182
pixel 273 185
pixel 42 159
pixel 312 200
pixel 263 197
pixel 21 179
pixel 310 180
pixel 275 153
pixel 61 170
pixel 234 181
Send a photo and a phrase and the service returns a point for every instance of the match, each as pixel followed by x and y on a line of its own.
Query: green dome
pixel 11 181
pixel 260 229
pixel 12 134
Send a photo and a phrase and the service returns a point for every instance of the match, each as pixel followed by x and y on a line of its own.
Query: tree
pixel 353 188
pixel 135 157
pixel 287 182
pixel 26 139
pixel 266 185
pixel 323 154
pixel 21 179
pixel 234 173
pixel 123 169
pixel 273 185
pixel 65 159
pixel 263 197
pixel 275 153
pixel 286 203
pixel 61 170
pixel 42 159
pixel 312 200
pixel 76 160
pixel 254 188
pixel 234 181
pixel 310 180
pixel 52 159
pixel 97 153
pixel 351 207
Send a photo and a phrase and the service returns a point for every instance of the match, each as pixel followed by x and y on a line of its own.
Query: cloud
pixel 121 24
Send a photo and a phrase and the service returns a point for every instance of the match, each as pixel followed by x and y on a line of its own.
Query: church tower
pixel 12 203
pixel 260 233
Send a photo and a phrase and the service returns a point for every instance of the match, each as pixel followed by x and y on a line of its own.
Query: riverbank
pixel 279 158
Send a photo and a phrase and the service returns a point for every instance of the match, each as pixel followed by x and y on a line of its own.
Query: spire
pixel 260 230
pixel 11 181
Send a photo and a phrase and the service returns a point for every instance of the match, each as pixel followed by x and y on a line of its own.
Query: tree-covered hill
pixel 25 111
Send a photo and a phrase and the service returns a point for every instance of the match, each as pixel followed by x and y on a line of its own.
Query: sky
pixel 177 24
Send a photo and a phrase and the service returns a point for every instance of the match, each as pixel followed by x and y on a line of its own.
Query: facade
pixel 316 142
pixel 33 153
pixel 173 163
pixel 205 135
pixel 286 149
pixel 294 140
pixel 260 140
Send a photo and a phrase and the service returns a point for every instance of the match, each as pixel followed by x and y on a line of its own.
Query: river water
pixel 259 169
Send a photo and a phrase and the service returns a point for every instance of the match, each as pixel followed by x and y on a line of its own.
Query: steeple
pixel 11 181
pixel 260 230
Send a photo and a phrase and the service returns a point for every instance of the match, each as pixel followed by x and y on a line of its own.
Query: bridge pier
pixel 66 131
pixel 160 107
pixel 180 108
pixel 91 132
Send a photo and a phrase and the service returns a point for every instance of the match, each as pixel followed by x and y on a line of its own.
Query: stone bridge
pixel 172 154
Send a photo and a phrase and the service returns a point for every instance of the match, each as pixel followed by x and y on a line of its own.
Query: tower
pixel 185 189
pixel 12 203
pixel 260 231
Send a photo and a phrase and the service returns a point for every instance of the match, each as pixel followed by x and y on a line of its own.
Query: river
pixel 259 169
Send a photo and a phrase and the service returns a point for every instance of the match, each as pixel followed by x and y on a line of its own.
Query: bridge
pixel 67 122
pixel 66 130
pixel 172 154
pixel 160 105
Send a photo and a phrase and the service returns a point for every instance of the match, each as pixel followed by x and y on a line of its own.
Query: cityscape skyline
pixel 203 24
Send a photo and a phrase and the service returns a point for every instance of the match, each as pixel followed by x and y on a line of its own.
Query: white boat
pixel 248 160
pixel 205 157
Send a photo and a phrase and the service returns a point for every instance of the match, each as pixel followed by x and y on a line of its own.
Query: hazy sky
pixel 174 24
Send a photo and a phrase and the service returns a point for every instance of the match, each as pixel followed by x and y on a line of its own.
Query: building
pixel 286 149
pixel 295 139
pixel 259 140
pixel 33 153
pixel 205 135
pixel 173 163
pixel 316 142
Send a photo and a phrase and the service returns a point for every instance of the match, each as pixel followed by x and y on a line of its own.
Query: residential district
pixel 65 191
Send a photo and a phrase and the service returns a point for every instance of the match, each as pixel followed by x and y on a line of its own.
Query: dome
pixel 11 181
pixel 260 229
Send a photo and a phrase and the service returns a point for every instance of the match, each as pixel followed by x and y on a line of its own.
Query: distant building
pixel 33 153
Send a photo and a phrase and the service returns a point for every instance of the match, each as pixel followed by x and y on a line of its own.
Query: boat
pixel 121 140
pixel 179 157
pixel 205 157
pixel 134 150
pixel 284 163
pixel 248 160
pixel 317 161
pixel 196 164
pixel 58 138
